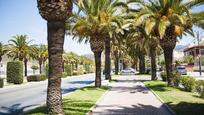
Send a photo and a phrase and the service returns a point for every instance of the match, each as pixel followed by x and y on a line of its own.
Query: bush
pixel 188 83
pixel 68 69
pixel 34 68
pixel 15 72
pixel 39 77
pixel 64 74
pixel 1 82
pixel 163 76
pixel 75 72
pixel 199 88
pixel 176 78
pixel 87 68
pixel 80 70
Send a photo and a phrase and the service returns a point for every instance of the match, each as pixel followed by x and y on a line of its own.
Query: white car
pixel 128 70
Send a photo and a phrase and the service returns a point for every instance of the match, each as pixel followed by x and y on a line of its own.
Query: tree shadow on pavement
pixel 15 109
pixel 139 109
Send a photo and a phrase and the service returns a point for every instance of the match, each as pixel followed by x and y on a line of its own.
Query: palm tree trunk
pixel 25 65
pixel 56 32
pixel 168 55
pixel 153 63
pixel 107 60
pixel 142 63
pixel 97 56
pixel 116 62
pixel 40 67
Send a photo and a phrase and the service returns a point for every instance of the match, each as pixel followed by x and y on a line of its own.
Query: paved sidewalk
pixel 129 96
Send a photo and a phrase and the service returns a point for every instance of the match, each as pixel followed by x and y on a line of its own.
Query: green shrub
pixel 39 77
pixel 176 78
pixel 80 70
pixel 34 68
pixel 87 68
pixel 75 72
pixel 199 88
pixel 188 83
pixel 43 77
pixel 15 72
pixel 1 82
pixel 64 74
pixel 68 69
pixel 163 76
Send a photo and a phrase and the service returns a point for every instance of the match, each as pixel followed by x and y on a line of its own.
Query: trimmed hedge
pixel 64 75
pixel 68 69
pixel 177 79
pixel 39 77
pixel 1 82
pixel 87 68
pixel 199 88
pixel 80 70
pixel 15 72
pixel 163 76
pixel 188 83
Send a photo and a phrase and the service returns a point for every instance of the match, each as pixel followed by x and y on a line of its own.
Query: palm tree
pixel 167 20
pixel 107 59
pixel 93 25
pixel 3 50
pixel 55 12
pixel 20 48
pixel 153 44
pixel 41 55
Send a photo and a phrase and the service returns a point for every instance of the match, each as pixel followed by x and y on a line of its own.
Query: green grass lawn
pixel 78 102
pixel 183 103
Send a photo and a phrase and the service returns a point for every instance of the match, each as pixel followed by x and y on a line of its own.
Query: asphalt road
pixel 16 99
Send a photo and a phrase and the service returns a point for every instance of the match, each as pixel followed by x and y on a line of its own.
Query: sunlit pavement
pixel 129 96
pixel 16 99
pixel 196 75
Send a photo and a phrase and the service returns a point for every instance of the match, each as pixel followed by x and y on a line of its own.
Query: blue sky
pixel 22 17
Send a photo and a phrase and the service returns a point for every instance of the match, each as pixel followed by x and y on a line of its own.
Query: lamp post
pixel 199 54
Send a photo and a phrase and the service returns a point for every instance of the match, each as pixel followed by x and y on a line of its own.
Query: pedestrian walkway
pixel 129 96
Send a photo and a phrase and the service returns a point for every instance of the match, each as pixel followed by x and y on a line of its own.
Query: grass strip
pixel 78 102
pixel 182 102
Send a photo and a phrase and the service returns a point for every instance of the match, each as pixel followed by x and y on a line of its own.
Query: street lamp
pixel 199 53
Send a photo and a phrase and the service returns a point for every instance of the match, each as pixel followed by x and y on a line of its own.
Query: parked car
pixel 182 70
pixel 128 70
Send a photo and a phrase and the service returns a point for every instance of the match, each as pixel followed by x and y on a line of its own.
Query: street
pixel 16 99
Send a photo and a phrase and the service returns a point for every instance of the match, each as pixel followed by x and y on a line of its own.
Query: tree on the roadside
pixel 166 20
pixel 20 48
pixel 41 55
pixel 3 50
pixel 55 12
pixel 93 25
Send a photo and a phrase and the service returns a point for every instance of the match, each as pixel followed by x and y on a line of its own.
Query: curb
pixel 164 104
pixel 97 102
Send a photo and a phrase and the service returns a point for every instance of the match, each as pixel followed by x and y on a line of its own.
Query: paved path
pixel 16 99
pixel 129 96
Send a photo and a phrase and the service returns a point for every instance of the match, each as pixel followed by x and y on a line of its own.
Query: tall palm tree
pixel 41 55
pixel 107 58
pixel 93 25
pixel 3 50
pixel 20 48
pixel 166 20
pixel 55 12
